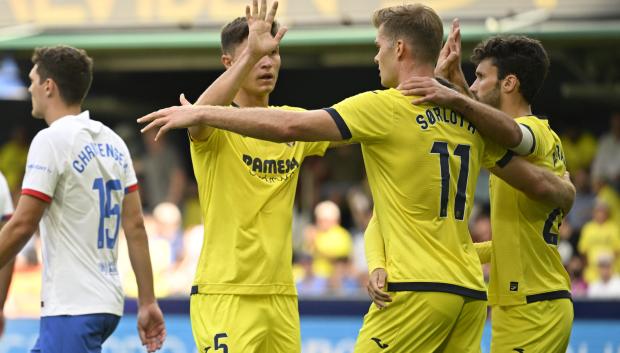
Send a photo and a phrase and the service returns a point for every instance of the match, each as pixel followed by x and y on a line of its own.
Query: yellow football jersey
pixel 525 263
pixel 422 164
pixel 246 188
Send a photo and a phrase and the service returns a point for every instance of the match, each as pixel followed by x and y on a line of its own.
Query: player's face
pixel 386 59
pixel 37 93
pixel 264 75
pixel 486 88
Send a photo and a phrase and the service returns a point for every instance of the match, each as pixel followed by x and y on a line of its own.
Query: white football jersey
pixel 83 169
pixel 6 204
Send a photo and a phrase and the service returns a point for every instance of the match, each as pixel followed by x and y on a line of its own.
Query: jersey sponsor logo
pixel 271 170
pixel 514 286
pixel 379 343
pixel 436 115
pixel 95 150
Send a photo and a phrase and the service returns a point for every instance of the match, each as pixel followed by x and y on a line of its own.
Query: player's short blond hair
pixel 417 24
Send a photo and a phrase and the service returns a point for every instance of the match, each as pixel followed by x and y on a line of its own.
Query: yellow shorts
pixel 424 322
pixel 540 327
pixel 223 323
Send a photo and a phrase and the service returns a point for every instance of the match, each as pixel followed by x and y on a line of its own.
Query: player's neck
pixel 244 99
pixel 409 70
pixel 58 111
pixel 515 107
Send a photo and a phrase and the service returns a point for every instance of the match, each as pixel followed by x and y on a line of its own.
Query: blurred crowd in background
pixel 331 212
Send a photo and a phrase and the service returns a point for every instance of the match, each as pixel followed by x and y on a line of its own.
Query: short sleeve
pixel 316 148
pixel 6 204
pixel 365 117
pixel 43 169
pixel 131 180
pixel 495 155
pixel 540 133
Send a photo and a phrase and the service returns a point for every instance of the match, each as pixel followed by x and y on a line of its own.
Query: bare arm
pixel 151 327
pixel 262 123
pixel 20 228
pixel 538 183
pixel 6 274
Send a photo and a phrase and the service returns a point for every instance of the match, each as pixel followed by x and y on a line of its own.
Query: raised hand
pixel 260 40
pixel 450 54
pixel 151 327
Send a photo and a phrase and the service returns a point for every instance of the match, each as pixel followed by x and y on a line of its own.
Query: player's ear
pixel 50 87
pixel 400 48
pixel 226 60
pixel 510 83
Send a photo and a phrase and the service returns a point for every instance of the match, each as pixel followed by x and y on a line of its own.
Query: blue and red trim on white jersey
pixel 131 188
pixel 37 194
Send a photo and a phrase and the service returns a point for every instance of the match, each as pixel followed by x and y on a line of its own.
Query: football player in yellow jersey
pixel 529 289
pixel 422 164
pixel 244 298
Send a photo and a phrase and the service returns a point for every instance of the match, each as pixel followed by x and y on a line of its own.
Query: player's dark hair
pixel 235 32
pixel 517 55
pixel 70 68
pixel 418 24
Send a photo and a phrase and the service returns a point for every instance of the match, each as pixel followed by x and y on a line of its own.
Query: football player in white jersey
pixel 79 189
pixel 6 272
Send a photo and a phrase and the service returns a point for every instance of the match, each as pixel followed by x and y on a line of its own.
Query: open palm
pixel 260 40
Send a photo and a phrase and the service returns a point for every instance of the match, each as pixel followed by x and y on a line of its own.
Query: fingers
pixel 422 100
pixel 153 124
pixel 272 13
pixel 263 9
pixel 248 14
pixel 184 100
pixel 254 8
pixel 161 132
pixel 280 34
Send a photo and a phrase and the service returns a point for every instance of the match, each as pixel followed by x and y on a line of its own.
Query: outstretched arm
pixel 538 183
pixel 151 327
pixel 262 123
pixel 260 43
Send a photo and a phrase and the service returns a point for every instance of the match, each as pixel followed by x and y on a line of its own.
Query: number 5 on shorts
pixel 217 345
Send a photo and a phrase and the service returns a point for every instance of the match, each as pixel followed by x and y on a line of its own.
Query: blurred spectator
pixel 167 218
pixel 601 235
pixel 579 148
pixel 608 285
pixel 307 282
pixel 579 287
pixel 343 280
pixel 162 171
pixel 327 240
pixel 584 201
pixel 361 211
pixel 181 276
pixel 606 166
pixel 13 154
pixel 565 248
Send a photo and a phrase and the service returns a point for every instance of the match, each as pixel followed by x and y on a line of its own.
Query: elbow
pixel 289 131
